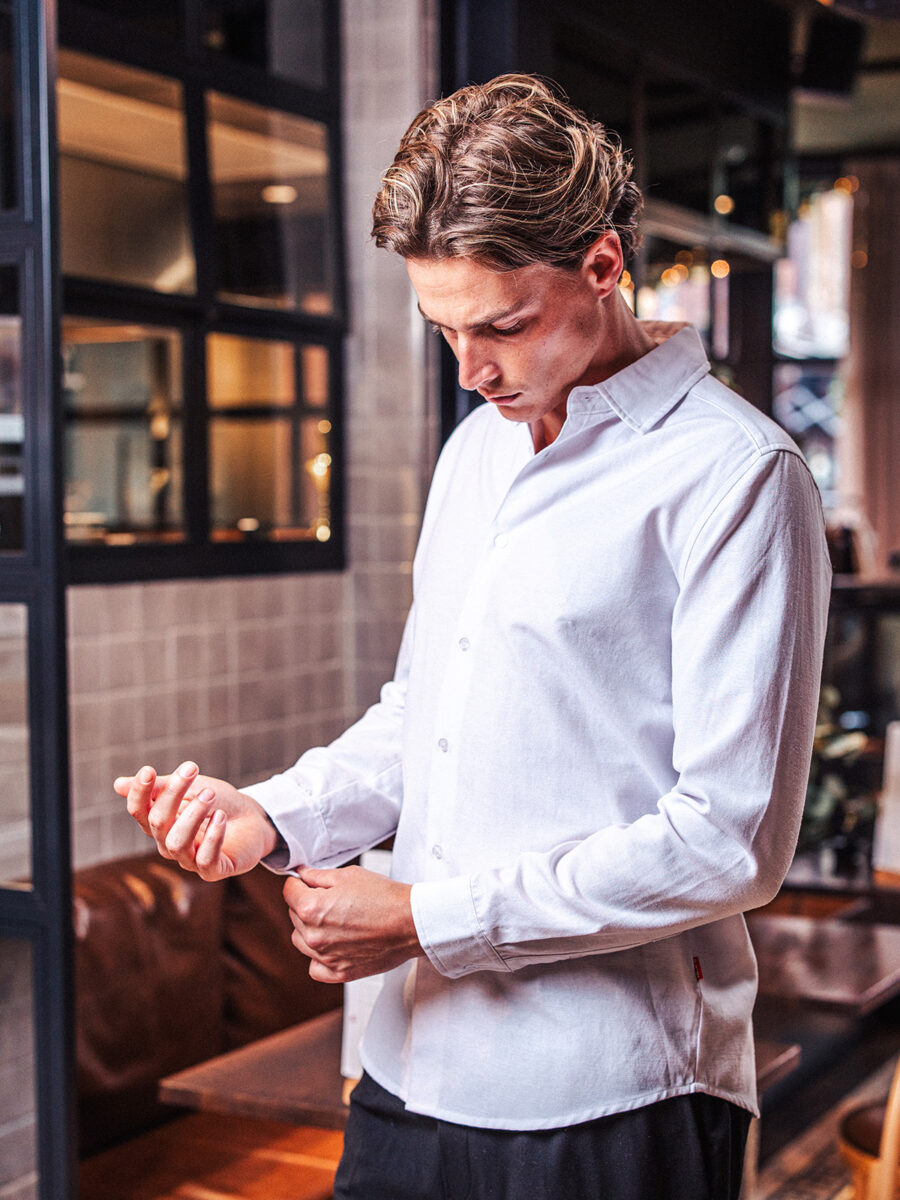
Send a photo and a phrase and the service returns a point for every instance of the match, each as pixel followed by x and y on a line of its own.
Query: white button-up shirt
pixel 593 753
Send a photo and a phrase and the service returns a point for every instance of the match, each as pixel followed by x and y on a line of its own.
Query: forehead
pixel 461 293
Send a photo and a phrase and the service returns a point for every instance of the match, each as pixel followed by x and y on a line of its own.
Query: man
pixel 594 750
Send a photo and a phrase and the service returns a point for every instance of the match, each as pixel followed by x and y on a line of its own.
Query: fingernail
pixel 206 796
pixel 188 770
pixel 146 775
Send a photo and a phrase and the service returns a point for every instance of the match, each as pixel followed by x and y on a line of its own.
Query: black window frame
pixel 201 71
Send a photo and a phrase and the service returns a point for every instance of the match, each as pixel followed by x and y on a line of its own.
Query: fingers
pixel 167 802
pixel 317 877
pixel 186 834
pixel 322 967
pixel 138 791
pixel 209 860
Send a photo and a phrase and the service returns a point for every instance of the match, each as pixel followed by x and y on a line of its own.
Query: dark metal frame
pixel 41 914
pixel 200 71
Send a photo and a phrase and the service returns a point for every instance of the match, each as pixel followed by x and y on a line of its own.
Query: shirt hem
pixel 575 1117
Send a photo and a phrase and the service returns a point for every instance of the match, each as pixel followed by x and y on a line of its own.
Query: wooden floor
pixel 204 1156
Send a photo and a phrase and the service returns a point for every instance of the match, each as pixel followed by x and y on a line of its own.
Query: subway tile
pixel 156 664
pixel 125 721
pixel 160 712
pixel 191 709
pixel 219 599
pixel 24 1188
pixel 124 664
pixel 87 610
pixel 18 1148
pixel 192 654
pixel 87 662
pixel 14 744
pixel 87 840
pixel 16 1102
pixel 124 612
pixel 223 704
pixel 161 605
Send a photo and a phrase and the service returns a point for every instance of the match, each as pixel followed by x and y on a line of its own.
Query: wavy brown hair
pixel 509 174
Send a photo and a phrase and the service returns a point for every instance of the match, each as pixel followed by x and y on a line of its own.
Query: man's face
pixel 523 338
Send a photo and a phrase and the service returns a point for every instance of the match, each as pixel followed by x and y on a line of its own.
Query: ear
pixel 602 263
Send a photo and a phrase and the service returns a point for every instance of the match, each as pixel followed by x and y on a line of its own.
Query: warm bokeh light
pixel 279 193
pixel 685 257
pixel 720 268
pixel 626 281
pixel 723 204
pixel 859 259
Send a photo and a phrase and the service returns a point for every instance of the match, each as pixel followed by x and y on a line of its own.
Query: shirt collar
pixel 642 393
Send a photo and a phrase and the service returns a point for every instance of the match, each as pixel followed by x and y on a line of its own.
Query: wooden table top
pixel 851 966
pixel 292 1076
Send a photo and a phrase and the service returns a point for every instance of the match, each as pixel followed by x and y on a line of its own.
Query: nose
pixel 476 367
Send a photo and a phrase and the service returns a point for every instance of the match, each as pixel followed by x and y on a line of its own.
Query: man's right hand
pixel 206 825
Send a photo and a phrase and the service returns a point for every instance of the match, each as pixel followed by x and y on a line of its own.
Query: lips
pixel 498 399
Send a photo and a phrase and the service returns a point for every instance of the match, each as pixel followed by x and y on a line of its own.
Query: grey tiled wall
pixel 18 1178
pixel 244 674
pixel 239 674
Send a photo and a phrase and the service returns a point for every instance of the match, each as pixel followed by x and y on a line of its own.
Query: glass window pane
pixel 162 17
pixel 269 479
pixel 123 443
pixel 18 1133
pixel 8 130
pixel 123 176
pixel 812 283
pixel 12 422
pixel 284 37
pixel 15 820
pixel 273 229
pixel 249 372
pixel 315 376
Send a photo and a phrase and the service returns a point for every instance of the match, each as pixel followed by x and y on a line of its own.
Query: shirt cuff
pixel 301 825
pixel 449 930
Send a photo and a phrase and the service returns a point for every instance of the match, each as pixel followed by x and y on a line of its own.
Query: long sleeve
pixel 747 630
pixel 341 799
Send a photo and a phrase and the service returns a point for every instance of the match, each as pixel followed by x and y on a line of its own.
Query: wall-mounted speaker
pixel 833 50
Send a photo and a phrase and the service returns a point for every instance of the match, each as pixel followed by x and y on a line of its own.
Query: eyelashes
pixel 492 330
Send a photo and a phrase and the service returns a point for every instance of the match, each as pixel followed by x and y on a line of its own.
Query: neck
pixel 621 340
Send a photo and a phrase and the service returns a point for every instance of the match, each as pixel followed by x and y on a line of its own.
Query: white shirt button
pixel 501 540
pixel 437 852
pixel 443 745
pixel 464 643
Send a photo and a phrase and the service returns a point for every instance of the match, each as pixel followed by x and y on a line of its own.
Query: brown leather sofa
pixel 170 971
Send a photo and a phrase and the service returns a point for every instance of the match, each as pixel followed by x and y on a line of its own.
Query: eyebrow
pixel 501 314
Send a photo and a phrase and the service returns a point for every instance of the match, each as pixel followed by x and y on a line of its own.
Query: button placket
pixel 449 714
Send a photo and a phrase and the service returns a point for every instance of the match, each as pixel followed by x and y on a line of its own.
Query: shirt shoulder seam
pixel 761 452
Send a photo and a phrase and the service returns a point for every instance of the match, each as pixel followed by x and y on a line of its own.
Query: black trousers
pixel 686 1148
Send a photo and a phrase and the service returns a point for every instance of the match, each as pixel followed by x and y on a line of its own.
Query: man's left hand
pixel 350 922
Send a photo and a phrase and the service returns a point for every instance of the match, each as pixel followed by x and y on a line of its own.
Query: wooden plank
pixel 294 1076
pixel 774 1061
pixel 204 1156
pixel 849 966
